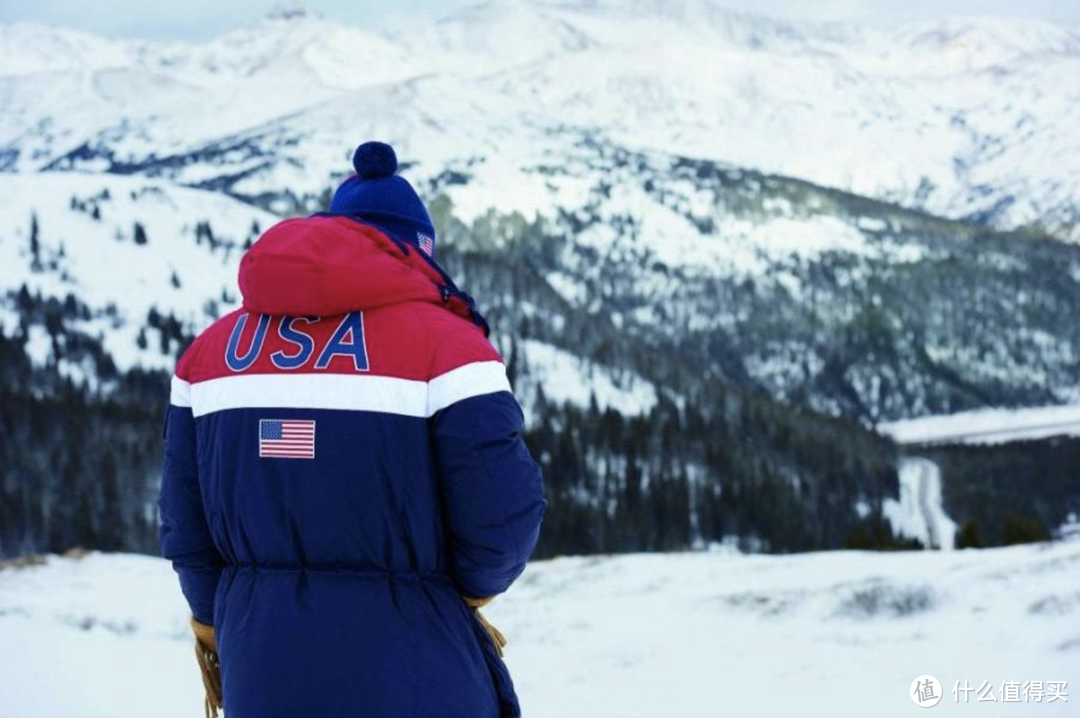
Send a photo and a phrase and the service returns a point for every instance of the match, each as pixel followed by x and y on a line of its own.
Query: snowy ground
pixel 987 426
pixel 920 512
pixel 702 634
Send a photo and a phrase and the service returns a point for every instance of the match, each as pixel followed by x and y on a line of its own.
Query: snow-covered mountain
pixel 650 132
pixel 966 118
pixel 688 226
pixel 87 248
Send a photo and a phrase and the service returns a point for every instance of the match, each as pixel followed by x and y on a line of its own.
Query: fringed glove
pixel 210 665
pixel 497 637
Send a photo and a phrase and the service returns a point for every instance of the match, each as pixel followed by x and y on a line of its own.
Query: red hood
pixel 321 266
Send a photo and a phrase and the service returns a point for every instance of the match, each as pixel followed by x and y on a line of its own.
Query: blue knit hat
pixel 381 198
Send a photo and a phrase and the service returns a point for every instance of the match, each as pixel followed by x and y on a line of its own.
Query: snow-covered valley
pixel 761 214
pixel 712 287
pixel 690 634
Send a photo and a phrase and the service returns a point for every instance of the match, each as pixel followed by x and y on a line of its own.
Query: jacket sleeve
pixel 185 534
pixel 492 489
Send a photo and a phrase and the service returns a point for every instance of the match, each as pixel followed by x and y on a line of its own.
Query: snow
pixel 27 48
pixel 98 262
pixel 920 511
pixel 694 634
pixel 987 426
pixel 566 378
pixel 1070 528
pixel 958 116
pixel 38 345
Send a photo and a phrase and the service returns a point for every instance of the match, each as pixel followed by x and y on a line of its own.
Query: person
pixel 345 479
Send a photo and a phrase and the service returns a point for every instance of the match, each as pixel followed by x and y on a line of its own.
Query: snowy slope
pixel 987 426
pixel 919 512
pixel 962 117
pixel 568 379
pixel 700 634
pixel 98 261
pixel 644 161
pixel 65 91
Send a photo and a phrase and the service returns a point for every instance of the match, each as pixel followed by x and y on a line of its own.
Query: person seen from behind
pixel 345 479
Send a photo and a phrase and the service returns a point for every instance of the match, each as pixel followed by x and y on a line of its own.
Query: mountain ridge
pixel 713 264
pixel 963 118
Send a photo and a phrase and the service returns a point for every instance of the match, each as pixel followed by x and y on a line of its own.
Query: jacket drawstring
pixel 210 663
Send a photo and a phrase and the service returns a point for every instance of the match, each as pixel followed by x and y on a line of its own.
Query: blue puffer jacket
pixel 344 462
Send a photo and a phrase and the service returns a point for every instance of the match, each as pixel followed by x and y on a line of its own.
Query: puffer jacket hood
pixel 332 264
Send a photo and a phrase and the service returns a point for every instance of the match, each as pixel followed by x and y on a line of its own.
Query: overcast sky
pixel 200 19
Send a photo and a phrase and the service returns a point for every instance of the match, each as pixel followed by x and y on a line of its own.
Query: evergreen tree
pixel 35 243
pixel 969 535
pixel 1022 529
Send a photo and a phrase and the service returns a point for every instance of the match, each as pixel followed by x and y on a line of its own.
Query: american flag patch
pixel 426 243
pixel 286 439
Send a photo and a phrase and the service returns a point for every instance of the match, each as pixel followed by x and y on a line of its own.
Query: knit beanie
pixel 378 196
